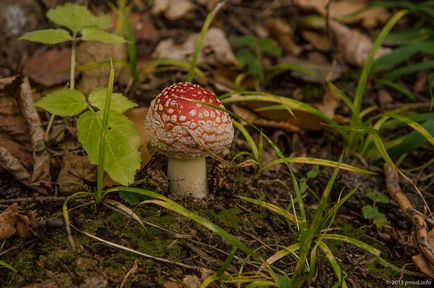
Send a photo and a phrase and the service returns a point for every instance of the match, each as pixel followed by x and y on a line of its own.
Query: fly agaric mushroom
pixel 186 131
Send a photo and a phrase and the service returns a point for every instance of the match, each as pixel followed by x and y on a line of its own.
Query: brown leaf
pixel 172 10
pixel 75 169
pixel 284 35
pixel 215 49
pixel 15 143
pixel 319 71
pixel 318 41
pixel 254 118
pixel 345 11
pixel 424 265
pixel 49 67
pixel 143 27
pixel 7 222
pixel 329 104
pixel 41 176
pixel 11 223
pixel 94 52
pixel 354 45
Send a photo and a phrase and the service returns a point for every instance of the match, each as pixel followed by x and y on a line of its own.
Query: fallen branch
pixel 425 260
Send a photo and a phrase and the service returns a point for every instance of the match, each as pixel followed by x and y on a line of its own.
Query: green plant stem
pixel 72 70
pixel 361 85
pixel 71 83
pixel 101 151
pixel 199 41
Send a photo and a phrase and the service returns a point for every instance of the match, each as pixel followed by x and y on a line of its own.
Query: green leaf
pixel 370 212
pixel 380 220
pixel 6 265
pixel 122 157
pixel 96 34
pixel 244 41
pixel 313 172
pixel 131 198
pixel 47 36
pixel 378 197
pixel 63 102
pixel 412 141
pixel 119 102
pixel 76 17
pixel 401 54
pixel 270 46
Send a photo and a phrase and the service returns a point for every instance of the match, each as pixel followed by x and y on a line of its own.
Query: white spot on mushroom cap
pixel 176 139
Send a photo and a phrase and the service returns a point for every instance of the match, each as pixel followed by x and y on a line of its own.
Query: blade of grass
pixel 315 161
pixel 173 206
pixel 6 265
pixel 413 124
pixel 101 150
pixel 361 85
pixel 292 104
pixel 334 263
pixel 271 207
pixel 248 138
pixel 359 244
pixel 199 41
pixel 314 229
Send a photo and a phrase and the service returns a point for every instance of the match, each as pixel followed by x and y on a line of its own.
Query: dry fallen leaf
pixel 11 223
pixel 284 35
pixel 143 28
pixel 346 11
pixel 191 281
pixel 75 169
pixel 317 40
pixel 354 45
pixel 41 176
pixel 94 52
pixel 320 71
pixel 14 134
pixel 423 264
pixel 49 67
pixel 329 104
pixel 172 10
pixel 215 49
pixel 255 119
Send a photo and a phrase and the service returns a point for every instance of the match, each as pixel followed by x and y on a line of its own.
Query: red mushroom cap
pixel 177 123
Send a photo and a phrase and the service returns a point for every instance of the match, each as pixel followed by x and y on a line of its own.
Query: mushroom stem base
pixel 187 178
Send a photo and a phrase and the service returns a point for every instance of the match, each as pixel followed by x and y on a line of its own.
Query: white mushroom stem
pixel 187 178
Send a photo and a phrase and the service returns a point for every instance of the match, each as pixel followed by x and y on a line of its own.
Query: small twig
pixel 111 244
pixel 421 228
pixel 38 199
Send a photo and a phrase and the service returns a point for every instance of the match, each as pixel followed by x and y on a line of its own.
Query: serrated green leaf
pixel 378 197
pixel 63 102
pixel 380 220
pixel 96 34
pixel 122 157
pixel 370 212
pixel 119 102
pixel 76 17
pixel 47 36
